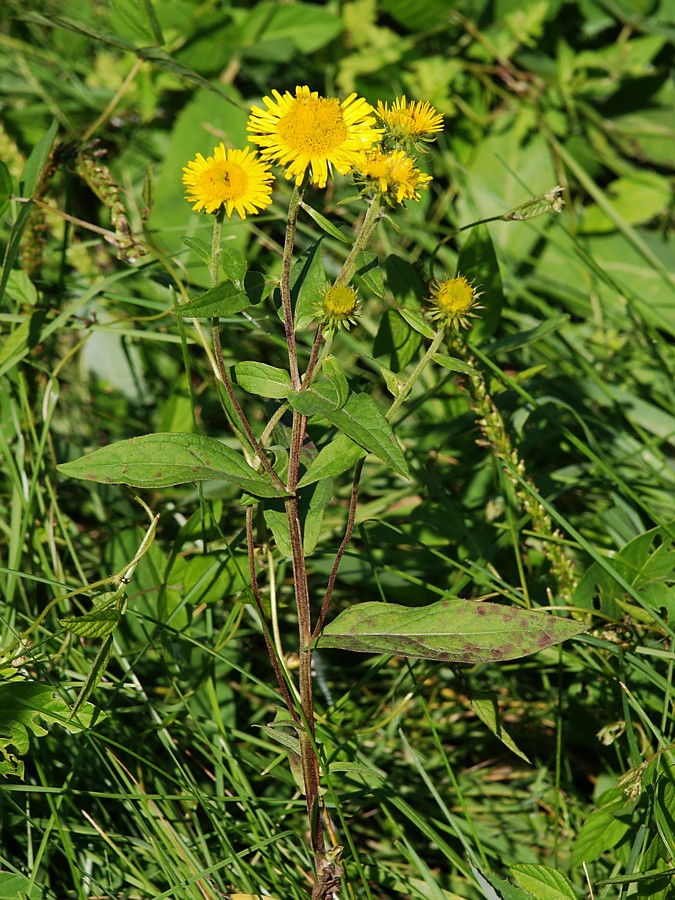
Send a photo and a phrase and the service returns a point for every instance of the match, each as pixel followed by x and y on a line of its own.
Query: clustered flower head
pixel 393 176
pixel 314 136
pixel 410 122
pixel 305 131
pixel 454 302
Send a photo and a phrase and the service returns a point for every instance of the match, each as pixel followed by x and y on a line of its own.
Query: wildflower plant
pixel 310 140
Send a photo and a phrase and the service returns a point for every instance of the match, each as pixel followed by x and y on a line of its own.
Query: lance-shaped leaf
pixel 160 460
pixel 263 380
pixel 360 419
pixel 224 299
pixel 335 458
pixel 461 631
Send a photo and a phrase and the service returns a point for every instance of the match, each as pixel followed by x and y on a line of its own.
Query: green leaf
pixel 319 499
pixel 334 372
pixel 370 273
pixel 99 622
pixel 234 265
pixel 478 263
pixel 139 25
pixel 21 289
pixel 454 365
pixel 37 161
pixel 635 199
pixel 485 707
pixel 95 674
pixel 160 460
pixel 417 322
pixel 359 419
pixel 22 705
pixel 308 283
pixel 325 224
pixel 601 830
pixel 462 631
pixel 523 338
pixel 335 458
pixel 543 882
pixel 5 188
pixel 262 380
pixel 304 26
pixel 201 248
pixel 225 299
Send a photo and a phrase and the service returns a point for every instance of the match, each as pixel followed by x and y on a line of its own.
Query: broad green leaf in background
pixel 22 706
pixel 262 380
pixel 495 888
pixel 360 419
pixel 478 264
pixel 647 563
pixel 225 299
pixel 603 829
pixel 543 882
pixel 462 631
pixel 138 19
pixel 161 460
pixel 636 198
pixel 270 27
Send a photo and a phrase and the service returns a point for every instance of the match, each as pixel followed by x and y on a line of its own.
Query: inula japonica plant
pixel 314 424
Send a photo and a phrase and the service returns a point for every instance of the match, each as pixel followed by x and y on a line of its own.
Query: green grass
pixel 175 785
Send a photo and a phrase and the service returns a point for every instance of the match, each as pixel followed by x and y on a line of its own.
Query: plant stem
pixel 419 368
pixel 363 238
pixel 225 378
pixel 276 665
pixel 285 287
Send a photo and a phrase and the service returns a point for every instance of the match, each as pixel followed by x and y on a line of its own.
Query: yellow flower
pixel 455 302
pixel 339 307
pixel 307 131
pixel 393 175
pixel 233 179
pixel 414 121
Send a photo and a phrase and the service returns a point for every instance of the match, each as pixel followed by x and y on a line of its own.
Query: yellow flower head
pixel 414 121
pixel 392 175
pixel 339 307
pixel 232 179
pixel 307 131
pixel 455 302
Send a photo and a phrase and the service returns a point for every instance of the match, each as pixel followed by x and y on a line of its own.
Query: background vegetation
pixel 178 789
